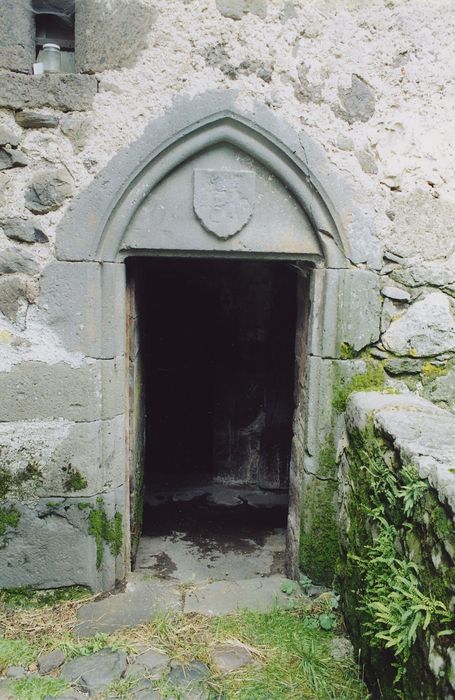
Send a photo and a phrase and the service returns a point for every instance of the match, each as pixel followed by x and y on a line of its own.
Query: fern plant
pixel 412 490
pixel 392 598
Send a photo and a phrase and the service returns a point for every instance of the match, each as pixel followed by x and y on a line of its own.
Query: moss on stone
pixel 347 352
pixel 75 480
pixel 319 546
pixel 105 530
pixel 371 380
pixel 54 505
pixel 14 483
pixel 431 370
pixel 9 519
pixel 391 581
pixel 27 597
pixel 327 458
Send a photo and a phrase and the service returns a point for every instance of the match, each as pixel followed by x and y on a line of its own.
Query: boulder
pixel 11 158
pixel 51 661
pixel 426 329
pixel 35 120
pixel 358 101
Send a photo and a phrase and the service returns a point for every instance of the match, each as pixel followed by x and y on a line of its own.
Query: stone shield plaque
pixel 224 200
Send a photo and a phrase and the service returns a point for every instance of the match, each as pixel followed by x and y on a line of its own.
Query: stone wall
pixel 397 516
pixel 368 89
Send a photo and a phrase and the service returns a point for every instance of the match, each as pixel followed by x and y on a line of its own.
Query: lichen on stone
pixel 15 484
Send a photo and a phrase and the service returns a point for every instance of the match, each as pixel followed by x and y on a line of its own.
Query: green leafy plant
pixel 412 490
pixel 327 621
pixel 393 601
pixel 305 582
pixel 289 587
pixel 391 592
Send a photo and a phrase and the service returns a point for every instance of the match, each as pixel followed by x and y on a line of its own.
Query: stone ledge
pixel 423 434
pixel 67 92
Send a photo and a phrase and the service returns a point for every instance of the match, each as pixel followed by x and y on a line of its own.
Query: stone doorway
pixel 212 352
pixel 149 203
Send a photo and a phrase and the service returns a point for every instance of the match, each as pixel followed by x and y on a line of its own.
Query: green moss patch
pixel 319 546
pixel 75 481
pixel 347 352
pixel 27 597
pixel 9 520
pixel 371 380
pixel 105 530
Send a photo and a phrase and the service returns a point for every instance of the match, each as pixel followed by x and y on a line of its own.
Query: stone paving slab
pixel 142 600
pixel 223 597
pixel 95 672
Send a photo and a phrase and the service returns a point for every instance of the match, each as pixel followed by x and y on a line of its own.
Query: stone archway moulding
pixel 95 224
pixel 83 292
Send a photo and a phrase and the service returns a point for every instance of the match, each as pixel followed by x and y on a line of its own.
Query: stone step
pixel 145 597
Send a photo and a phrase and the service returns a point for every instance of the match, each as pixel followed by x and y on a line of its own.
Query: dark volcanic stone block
pixel 65 91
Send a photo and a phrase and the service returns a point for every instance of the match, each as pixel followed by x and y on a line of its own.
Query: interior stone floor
pixel 213 533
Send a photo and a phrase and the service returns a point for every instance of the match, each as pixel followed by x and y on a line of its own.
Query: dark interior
pixel 217 346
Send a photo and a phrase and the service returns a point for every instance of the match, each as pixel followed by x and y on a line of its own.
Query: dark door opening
pixel 216 343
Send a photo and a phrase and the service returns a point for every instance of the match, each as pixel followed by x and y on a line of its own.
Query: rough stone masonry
pixel 360 95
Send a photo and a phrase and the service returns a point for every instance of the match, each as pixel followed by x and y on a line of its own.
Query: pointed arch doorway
pixel 208 186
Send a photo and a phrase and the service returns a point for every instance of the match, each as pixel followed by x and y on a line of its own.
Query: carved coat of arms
pixel 224 200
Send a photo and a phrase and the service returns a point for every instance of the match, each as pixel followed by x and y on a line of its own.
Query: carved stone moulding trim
pixel 96 222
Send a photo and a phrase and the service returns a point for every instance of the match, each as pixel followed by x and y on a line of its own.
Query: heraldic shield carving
pixel 224 200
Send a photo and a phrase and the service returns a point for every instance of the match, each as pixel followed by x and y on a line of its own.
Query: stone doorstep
pixel 145 597
pixel 223 597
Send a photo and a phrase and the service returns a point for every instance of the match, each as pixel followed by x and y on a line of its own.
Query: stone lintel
pixel 64 91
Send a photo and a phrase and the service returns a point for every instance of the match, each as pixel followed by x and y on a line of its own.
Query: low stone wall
pixel 397 573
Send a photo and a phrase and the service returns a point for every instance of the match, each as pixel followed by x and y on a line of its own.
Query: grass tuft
pixel 290 650
pixel 38 688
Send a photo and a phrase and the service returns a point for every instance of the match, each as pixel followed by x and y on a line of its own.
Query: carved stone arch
pixel 95 226
pixel 83 294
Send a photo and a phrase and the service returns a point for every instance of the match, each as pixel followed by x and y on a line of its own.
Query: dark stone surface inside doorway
pixel 217 342
pixel 213 533
pixel 217 352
